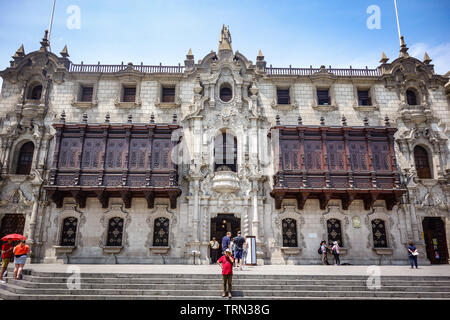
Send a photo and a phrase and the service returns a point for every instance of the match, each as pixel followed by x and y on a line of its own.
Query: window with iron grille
pixel 161 232
pixel 226 93
pixel 322 97
pixel 334 231
pixel 411 97
pixel 283 96
pixel 25 158
pixel 422 165
pixel 168 94
pixel 379 233
pixel 289 229
pixel 69 231
pixel 129 94
pixel 115 232
pixel 364 98
pixel 86 93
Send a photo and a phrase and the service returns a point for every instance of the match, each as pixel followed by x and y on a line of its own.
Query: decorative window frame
pixel 160 211
pixel 68 210
pixel 331 93
pixel 159 92
pixel 33 82
pixel 293 213
pixel 283 86
pixel 15 148
pixel 116 210
pixel 365 86
pixel 129 81
pixel 76 100
pixel 380 213
pixel 335 212
pixel 431 160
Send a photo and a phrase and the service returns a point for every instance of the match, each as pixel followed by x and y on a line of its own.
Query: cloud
pixel 440 54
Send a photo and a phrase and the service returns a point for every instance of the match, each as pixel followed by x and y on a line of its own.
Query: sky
pixel 300 33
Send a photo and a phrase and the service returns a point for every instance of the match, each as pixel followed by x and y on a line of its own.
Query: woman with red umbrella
pixel 20 253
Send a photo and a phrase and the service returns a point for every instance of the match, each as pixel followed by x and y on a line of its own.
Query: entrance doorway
pixel 12 223
pixel 222 224
pixel 435 240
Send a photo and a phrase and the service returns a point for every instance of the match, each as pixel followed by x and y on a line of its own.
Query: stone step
pixel 241 285
pixel 208 292
pixel 237 275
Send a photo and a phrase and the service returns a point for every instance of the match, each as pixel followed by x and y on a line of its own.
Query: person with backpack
pixel 238 248
pixel 335 251
pixel 323 251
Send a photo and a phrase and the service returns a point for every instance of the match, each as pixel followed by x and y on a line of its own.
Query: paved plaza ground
pixel 404 270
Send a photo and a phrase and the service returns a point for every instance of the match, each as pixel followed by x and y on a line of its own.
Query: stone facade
pixel 206 192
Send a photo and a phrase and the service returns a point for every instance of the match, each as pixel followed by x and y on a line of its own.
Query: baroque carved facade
pixel 130 155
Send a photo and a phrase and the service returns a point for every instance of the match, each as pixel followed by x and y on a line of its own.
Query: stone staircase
pixel 106 286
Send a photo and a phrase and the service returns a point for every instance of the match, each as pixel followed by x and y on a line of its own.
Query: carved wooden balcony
pixel 113 160
pixel 347 163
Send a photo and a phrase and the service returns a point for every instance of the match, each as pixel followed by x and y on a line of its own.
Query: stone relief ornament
pixel 356 222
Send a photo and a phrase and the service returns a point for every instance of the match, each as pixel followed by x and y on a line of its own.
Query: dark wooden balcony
pixel 113 160
pixel 347 163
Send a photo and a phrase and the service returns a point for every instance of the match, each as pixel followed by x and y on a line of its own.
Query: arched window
pixel 289 229
pixel 411 97
pixel 226 93
pixel 334 231
pixel 379 233
pixel 225 152
pixel 161 232
pixel 115 232
pixel 35 92
pixel 422 164
pixel 25 158
pixel 69 231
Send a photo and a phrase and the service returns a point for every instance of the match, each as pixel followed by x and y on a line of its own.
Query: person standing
pixel 226 242
pixel 412 254
pixel 7 252
pixel 335 251
pixel 323 248
pixel 226 263
pixel 214 245
pixel 20 256
pixel 238 247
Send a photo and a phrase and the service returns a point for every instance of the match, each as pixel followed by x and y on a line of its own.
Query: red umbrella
pixel 14 237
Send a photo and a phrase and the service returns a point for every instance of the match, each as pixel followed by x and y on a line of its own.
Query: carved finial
pixel 426 58
pixel 63 117
pixel 45 43
pixel 277 118
pixel 19 53
pixel 322 121
pixel 189 55
pixel 366 121
pixel 300 120
pixel 384 59
pixel 152 118
pixel 344 121
pixel 260 55
pixel 174 118
pixel 107 117
pixel 64 53
pixel 225 39
pixel 403 48
pixel 386 121
pixel 84 118
pixel 130 118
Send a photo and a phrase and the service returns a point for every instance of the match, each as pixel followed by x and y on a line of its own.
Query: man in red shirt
pixel 226 263
pixel 7 252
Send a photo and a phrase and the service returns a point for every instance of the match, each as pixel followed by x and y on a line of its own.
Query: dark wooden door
pixel 435 240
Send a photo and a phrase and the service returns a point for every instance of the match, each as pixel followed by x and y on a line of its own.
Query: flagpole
pixel 398 23
pixel 51 23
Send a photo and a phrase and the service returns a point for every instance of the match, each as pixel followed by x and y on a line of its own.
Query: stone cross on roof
pixel 225 39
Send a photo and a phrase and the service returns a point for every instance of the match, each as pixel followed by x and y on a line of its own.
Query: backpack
pixel 320 250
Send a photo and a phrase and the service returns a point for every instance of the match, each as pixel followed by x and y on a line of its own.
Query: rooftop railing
pixel 112 68
pixel 350 72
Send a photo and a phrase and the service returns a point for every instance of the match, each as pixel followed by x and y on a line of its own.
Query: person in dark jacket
pixel 226 240
pixel 412 254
